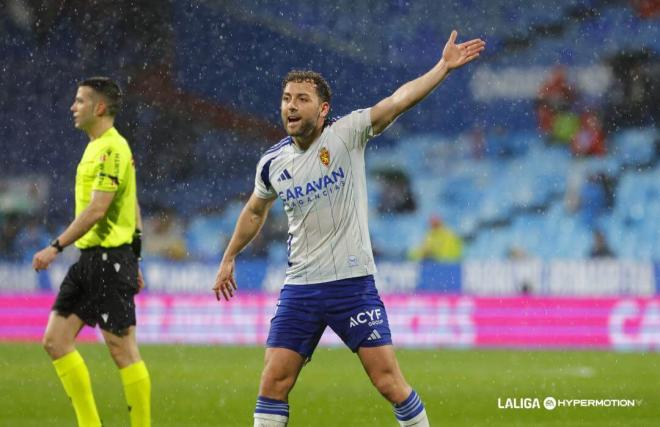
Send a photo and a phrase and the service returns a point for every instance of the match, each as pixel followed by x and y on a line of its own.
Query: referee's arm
pixel 137 244
pixel 138 215
pixel 92 214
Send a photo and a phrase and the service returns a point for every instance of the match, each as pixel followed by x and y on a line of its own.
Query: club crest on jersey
pixel 324 156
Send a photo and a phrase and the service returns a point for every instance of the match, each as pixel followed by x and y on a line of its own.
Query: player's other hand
pixel 140 280
pixel 43 258
pixel 225 282
pixel 457 55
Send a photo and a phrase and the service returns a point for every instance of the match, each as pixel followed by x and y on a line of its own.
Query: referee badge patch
pixel 324 156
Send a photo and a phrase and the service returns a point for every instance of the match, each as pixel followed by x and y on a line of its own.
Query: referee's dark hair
pixel 107 88
pixel 322 86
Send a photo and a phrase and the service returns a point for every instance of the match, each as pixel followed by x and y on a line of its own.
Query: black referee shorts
pixel 100 289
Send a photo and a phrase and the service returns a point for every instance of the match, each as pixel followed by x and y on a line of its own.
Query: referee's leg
pixel 134 374
pixel 60 336
pixel 59 343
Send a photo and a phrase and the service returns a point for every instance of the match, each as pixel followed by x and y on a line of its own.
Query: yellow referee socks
pixel 137 388
pixel 74 375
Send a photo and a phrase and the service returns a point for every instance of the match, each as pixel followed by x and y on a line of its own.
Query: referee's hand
pixel 43 258
pixel 225 282
pixel 140 280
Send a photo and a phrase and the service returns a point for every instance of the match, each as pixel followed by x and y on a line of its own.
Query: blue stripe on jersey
pixel 265 170
pixel 286 141
pixel 265 173
pixel 330 122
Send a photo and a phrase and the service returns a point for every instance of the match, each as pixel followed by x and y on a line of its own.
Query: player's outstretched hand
pixel 457 55
pixel 225 282
pixel 43 258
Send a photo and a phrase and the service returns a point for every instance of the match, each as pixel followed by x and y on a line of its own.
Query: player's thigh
pixel 297 324
pixel 123 347
pixel 358 315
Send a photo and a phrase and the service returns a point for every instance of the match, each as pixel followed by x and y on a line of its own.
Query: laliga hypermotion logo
pixel 324 156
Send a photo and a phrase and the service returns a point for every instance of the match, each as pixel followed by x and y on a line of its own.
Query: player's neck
pixel 99 128
pixel 304 142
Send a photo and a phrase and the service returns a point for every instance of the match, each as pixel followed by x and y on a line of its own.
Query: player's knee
pixel 390 386
pixel 385 384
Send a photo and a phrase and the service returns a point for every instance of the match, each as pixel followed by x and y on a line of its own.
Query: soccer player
pixel 101 286
pixel 318 172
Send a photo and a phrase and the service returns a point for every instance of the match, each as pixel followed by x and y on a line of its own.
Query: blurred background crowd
pixel 547 147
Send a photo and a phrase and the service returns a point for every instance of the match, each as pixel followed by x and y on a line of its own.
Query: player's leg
pixel 59 343
pixel 383 370
pixel 359 317
pixel 134 374
pixel 295 330
pixel 281 369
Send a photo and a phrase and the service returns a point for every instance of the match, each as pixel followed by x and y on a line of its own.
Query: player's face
pixel 302 111
pixel 83 108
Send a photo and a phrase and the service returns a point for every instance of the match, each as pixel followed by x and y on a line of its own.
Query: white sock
pixel 420 420
pixel 270 420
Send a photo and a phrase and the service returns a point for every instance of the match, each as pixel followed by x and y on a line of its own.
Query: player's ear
pixel 325 109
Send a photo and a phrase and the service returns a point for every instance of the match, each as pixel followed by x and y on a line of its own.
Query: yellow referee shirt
pixel 107 165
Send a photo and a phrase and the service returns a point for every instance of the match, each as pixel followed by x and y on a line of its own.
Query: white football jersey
pixel 324 191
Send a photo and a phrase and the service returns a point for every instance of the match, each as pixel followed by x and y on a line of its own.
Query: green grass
pixel 216 386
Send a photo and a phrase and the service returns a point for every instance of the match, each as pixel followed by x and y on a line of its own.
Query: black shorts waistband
pixel 103 248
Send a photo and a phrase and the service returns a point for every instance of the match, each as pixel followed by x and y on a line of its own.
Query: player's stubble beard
pixel 306 127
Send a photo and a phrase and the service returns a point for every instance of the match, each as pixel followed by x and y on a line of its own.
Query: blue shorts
pixel 351 307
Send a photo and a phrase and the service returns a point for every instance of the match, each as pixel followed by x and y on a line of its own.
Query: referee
pixel 100 287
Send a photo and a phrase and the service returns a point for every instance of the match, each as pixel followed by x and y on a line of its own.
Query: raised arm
pixel 407 96
pixel 249 223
